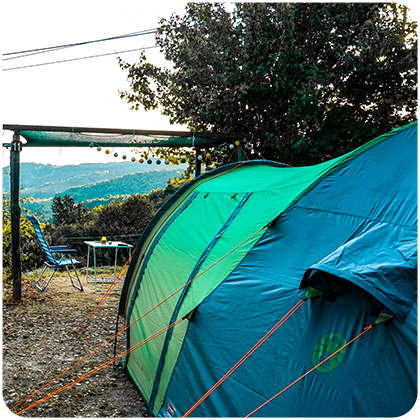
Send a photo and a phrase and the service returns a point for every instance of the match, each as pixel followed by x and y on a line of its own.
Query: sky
pixel 83 92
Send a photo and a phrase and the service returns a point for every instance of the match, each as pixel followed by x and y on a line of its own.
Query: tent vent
pixel 383 317
pixel 312 293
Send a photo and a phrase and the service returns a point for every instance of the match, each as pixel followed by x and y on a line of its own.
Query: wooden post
pixel 240 153
pixel 15 150
pixel 197 162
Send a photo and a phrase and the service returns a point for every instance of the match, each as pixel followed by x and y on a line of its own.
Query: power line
pixel 79 58
pixel 34 53
pixel 49 49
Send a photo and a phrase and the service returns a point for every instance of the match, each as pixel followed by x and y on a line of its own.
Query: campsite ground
pixel 42 338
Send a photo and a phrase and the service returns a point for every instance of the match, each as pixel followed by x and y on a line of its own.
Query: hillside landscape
pixel 92 183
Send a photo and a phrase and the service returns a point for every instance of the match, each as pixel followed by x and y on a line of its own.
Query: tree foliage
pixel 119 221
pixel 309 81
pixel 129 217
pixel 30 248
pixel 66 211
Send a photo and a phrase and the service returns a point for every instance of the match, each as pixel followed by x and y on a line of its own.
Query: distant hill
pixel 141 183
pixel 62 177
pixel 92 183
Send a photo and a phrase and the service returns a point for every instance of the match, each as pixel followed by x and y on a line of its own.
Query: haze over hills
pixel 92 183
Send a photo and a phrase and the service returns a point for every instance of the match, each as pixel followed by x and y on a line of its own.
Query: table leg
pixel 115 263
pixel 87 264
pixel 94 266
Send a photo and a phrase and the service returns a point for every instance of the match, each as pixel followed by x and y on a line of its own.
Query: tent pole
pixel 15 150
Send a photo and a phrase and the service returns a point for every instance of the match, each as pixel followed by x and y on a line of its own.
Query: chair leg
pixel 37 285
pixel 79 287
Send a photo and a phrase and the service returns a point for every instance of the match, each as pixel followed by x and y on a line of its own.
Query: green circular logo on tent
pixel 325 348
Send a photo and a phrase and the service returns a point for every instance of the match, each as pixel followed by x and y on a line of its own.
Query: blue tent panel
pixel 353 237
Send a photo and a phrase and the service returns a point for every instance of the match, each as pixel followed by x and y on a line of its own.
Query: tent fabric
pixel 388 276
pixel 253 237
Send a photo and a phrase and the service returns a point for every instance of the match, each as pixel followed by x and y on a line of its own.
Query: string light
pixel 205 158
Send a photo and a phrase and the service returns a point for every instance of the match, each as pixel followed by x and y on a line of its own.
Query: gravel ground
pixel 42 338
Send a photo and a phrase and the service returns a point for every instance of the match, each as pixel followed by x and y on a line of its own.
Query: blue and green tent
pixel 232 252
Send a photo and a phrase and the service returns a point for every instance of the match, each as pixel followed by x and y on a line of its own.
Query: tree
pixel 129 217
pixel 309 81
pixel 124 221
pixel 66 211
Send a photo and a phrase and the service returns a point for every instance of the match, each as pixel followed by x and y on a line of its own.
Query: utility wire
pixel 79 58
pixel 34 53
pixel 49 49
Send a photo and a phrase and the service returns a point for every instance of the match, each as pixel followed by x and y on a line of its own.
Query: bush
pixel 118 220
pixel 31 250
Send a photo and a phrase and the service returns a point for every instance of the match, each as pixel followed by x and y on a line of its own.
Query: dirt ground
pixel 42 338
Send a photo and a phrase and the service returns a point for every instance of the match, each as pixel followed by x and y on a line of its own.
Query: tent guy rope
pixel 111 287
pixel 309 371
pixel 127 327
pixel 246 356
pixel 97 369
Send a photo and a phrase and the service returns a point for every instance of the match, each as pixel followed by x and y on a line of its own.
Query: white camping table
pixel 109 244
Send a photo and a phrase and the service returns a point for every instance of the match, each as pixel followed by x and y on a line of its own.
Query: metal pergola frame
pixel 149 138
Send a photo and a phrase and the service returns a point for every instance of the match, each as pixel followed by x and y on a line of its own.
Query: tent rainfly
pixel 232 252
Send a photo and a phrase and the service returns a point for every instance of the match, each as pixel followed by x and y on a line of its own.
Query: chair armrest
pixel 58 248
pixel 69 251
pixel 62 249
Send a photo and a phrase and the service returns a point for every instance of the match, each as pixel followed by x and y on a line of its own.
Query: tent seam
pixel 177 308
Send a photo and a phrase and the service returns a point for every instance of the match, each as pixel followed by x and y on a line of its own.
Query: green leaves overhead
pixel 310 81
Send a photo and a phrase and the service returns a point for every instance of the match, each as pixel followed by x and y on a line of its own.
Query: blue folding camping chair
pixel 57 256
